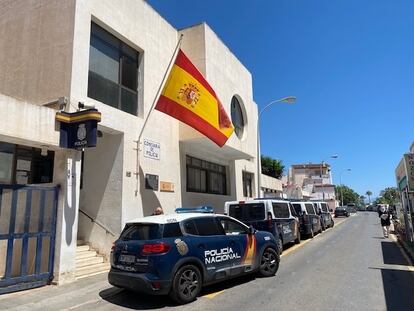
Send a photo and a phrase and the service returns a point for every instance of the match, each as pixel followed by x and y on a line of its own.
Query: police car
pixel 177 254
pixel 268 214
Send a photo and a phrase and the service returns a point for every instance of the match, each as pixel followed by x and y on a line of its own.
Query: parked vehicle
pixel 352 208
pixel 326 217
pixel 177 254
pixel 341 211
pixel 273 215
pixel 310 221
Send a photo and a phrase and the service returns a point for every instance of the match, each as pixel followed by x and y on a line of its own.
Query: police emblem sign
pixel 78 129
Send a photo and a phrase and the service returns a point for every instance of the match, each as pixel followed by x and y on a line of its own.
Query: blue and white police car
pixel 179 253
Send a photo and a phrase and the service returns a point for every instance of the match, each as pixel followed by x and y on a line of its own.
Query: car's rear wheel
pixel 269 263
pixel 186 284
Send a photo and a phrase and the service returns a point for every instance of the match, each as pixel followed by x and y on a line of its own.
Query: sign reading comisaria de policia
pixel 78 129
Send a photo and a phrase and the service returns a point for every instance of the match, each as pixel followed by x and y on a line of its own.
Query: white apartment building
pixel 113 55
pixel 314 179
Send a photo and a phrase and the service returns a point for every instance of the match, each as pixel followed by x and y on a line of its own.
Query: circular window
pixel 237 117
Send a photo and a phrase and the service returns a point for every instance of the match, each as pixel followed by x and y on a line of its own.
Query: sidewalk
pixel 64 297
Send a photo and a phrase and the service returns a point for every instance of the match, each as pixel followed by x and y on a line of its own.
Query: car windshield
pixel 247 212
pixel 141 232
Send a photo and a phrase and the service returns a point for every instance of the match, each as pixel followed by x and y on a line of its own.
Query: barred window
pixel 206 177
pixel 247 184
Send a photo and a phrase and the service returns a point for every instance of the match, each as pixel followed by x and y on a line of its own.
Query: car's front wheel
pixel 186 285
pixel 269 263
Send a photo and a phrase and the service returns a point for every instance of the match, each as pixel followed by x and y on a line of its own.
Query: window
pixel 232 227
pixel 189 227
pixel 206 177
pixel 293 211
pixel 141 232
pixel 281 210
pixel 237 117
pixel 309 209
pixel 208 226
pixel 324 207
pixel 172 230
pixel 247 185
pixel 298 208
pixel 25 165
pixel 113 71
pixel 6 162
pixel 247 212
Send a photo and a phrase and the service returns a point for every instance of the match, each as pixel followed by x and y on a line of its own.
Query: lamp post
pixel 289 100
pixel 340 183
pixel 334 156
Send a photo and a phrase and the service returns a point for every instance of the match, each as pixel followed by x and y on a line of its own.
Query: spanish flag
pixel 188 97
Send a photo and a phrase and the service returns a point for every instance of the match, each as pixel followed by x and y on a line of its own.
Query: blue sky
pixel 350 63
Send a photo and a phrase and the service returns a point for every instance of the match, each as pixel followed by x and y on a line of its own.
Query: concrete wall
pixel 137 24
pixel 101 192
pixel 228 77
pixel 36 49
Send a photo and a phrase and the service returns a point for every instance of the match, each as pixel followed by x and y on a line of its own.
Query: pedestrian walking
pixel 385 215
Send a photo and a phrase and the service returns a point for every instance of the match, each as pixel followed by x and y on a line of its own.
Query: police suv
pixel 276 216
pixel 177 254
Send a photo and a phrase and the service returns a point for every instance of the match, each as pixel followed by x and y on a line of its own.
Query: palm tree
pixel 369 193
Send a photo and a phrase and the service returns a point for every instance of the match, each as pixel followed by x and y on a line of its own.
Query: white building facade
pixel 314 179
pixel 113 55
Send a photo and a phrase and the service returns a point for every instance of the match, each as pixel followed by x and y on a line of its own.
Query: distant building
pixel 313 180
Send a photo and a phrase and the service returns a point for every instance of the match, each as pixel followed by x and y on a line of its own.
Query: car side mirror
pixel 251 230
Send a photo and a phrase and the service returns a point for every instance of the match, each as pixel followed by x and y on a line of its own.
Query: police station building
pixel 57 202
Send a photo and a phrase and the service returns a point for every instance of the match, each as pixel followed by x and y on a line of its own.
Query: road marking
pixel 410 263
pixel 212 295
pixel 285 253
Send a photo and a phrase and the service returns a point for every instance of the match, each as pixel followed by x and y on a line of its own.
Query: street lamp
pixel 289 100
pixel 340 183
pixel 334 156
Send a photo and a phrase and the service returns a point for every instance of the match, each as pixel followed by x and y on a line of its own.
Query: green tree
pixel 369 193
pixel 272 167
pixel 389 195
pixel 348 195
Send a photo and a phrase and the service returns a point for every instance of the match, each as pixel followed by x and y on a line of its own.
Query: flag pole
pixel 157 95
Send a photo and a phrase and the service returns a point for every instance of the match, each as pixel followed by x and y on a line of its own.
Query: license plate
pixel 126 258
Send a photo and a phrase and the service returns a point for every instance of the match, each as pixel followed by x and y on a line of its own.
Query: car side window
pixel 208 226
pixel 309 208
pixel 281 210
pixel 292 211
pixel 232 227
pixel 189 227
pixel 298 208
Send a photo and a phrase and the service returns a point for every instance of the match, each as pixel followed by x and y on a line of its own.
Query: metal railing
pixel 98 223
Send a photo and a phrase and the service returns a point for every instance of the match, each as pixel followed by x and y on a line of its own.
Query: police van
pixel 177 254
pixel 323 211
pixel 310 221
pixel 273 215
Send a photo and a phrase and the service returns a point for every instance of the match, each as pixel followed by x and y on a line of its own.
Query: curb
pixel 408 251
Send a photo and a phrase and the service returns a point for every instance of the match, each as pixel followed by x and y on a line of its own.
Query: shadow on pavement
pixel 133 300
pixel 398 283
pixel 139 301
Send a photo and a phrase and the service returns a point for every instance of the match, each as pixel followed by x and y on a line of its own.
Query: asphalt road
pixel 349 267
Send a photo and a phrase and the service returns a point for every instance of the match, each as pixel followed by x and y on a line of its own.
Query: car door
pixel 294 224
pixel 314 219
pixel 209 244
pixel 241 243
pixel 285 222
